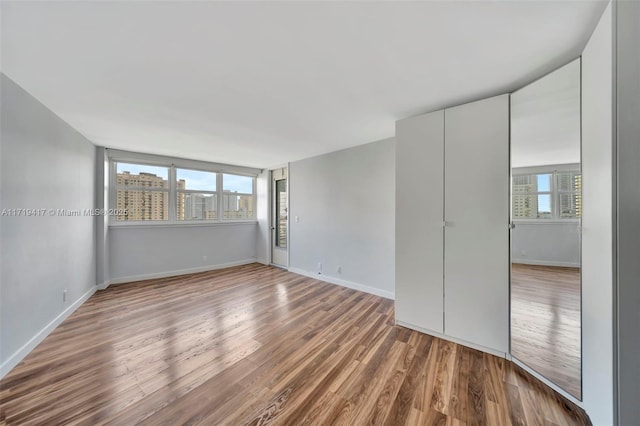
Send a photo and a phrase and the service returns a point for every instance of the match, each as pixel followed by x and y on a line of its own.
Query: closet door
pixel 476 254
pixel 419 210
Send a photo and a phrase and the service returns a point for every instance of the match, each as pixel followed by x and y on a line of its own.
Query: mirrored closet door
pixel 546 211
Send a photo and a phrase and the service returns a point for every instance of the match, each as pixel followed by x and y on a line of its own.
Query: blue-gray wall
pixel 45 164
pixel 345 205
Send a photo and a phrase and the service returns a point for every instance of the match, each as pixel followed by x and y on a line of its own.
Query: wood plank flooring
pixel 545 322
pixel 257 345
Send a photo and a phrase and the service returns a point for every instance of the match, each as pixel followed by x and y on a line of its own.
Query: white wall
pixel 627 32
pixel 345 204
pixel 148 251
pixel 263 233
pixel 551 244
pixel 597 222
pixel 45 165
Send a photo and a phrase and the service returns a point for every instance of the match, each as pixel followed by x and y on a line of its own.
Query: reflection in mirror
pixel 545 239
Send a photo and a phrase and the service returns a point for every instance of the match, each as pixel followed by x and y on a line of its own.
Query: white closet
pixel 452 216
pixel 419 233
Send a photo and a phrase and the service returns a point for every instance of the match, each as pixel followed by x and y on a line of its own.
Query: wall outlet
pixel 297 219
pixel 523 253
pixel 319 266
pixel 64 295
pixel 204 258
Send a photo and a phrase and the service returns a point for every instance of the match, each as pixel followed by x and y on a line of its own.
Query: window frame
pixel 554 192
pixel 113 192
pixel 173 165
pixel 196 191
pixel 221 200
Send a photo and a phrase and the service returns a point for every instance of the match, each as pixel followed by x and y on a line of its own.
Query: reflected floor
pixel 545 322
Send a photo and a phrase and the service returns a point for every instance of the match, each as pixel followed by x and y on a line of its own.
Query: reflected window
pixel 550 195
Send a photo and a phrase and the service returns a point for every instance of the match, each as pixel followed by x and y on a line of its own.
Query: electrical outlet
pixel 204 258
pixel 64 295
pixel 319 266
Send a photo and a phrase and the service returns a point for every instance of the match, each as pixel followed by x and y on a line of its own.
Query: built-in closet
pixel 452 224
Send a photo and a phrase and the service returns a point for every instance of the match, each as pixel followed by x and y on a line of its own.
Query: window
pixel 196 197
pixel 173 194
pixel 142 192
pixel 238 197
pixel 549 195
pixel 570 194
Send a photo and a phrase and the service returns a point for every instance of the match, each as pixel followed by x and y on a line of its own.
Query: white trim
pixel 344 283
pixel 539 222
pixel 177 272
pixel 103 285
pixel 481 348
pixel 547 382
pixel 545 263
pixel 19 355
pixel 186 163
pixel 187 223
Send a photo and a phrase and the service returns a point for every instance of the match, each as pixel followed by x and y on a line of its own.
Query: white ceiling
pixel 263 83
pixel 545 120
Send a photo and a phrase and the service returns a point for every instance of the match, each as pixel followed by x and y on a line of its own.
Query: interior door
pixel 476 255
pixel 280 218
pixel 419 210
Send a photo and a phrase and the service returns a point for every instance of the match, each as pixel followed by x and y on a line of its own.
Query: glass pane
pixel 544 206
pixel 142 205
pixel 235 183
pixel 281 213
pixel 195 180
pixel 569 181
pixel 238 206
pixel 195 206
pixel 523 184
pixel 570 206
pixel 544 183
pixel 531 206
pixel 142 176
pixel 524 206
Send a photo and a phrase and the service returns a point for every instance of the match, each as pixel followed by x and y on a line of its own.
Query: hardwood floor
pixel 258 345
pixel 545 322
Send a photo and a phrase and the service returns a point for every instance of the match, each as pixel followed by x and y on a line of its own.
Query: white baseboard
pixel 545 263
pixel 177 272
pixel 480 348
pixel 42 334
pixel 344 283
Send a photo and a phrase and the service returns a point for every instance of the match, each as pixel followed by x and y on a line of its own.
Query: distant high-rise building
pixel 144 196
pixel 524 205
pixel 199 206
pixel 237 206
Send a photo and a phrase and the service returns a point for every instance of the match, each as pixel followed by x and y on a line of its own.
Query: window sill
pixel 181 225
pixel 546 221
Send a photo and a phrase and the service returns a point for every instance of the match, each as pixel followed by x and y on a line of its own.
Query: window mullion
pixel 172 194
pixel 220 196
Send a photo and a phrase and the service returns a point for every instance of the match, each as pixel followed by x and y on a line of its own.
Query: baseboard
pixel 344 283
pixel 42 334
pixel 177 272
pixel 103 285
pixel 545 263
pixel 480 348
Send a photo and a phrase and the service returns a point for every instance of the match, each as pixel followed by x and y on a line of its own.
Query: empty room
pixel 320 212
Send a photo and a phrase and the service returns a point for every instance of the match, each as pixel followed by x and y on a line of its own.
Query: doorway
pixel 280 218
